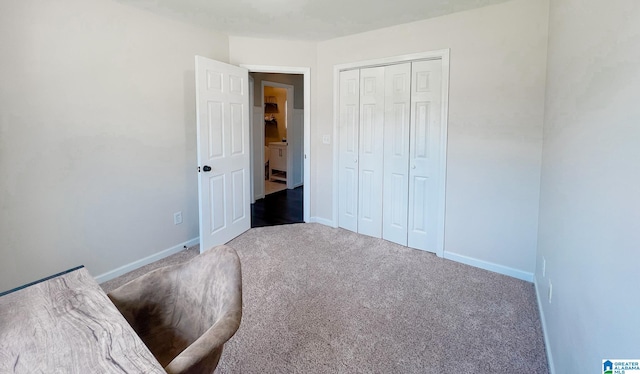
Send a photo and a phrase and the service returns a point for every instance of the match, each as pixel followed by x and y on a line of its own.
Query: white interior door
pixel 222 105
pixel 424 154
pixel 397 111
pixel 371 141
pixel 348 153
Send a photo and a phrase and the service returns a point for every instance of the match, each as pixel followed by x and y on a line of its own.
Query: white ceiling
pixel 303 19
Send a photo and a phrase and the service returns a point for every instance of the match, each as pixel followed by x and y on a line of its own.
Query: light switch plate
pixel 326 139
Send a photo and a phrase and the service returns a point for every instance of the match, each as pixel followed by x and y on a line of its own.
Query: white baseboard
pixel 322 221
pixel 496 268
pixel 543 321
pixel 145 261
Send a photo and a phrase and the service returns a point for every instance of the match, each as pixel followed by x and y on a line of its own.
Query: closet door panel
pixel 348 152
pixel 397 108
pixel 370 152
pixel 424 153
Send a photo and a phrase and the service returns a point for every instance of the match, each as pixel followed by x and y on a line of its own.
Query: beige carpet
pixel 324 300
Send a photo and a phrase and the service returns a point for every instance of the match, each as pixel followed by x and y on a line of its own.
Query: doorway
pixel 225 137
pixel 282 135
pixel 278 152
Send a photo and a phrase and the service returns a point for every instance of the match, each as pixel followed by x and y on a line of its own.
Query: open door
pixel 222 106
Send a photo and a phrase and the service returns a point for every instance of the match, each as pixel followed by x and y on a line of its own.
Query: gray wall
pixel 590 191
pixel 295 80
pixel 97 135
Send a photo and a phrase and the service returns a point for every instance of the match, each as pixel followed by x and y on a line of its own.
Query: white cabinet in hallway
pixel 278 161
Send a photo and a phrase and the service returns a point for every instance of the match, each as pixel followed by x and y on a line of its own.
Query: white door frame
pixel 290 96
pixel 442 55
pixel 306 72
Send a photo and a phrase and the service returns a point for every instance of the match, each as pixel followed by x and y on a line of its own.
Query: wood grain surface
pixel 68 325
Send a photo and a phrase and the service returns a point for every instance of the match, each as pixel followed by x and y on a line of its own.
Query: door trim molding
pixel 443 55
pixel 306 72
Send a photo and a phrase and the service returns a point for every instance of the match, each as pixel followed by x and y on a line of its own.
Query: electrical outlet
pixel 550 291
pixel 326 139
pixel 544 267
pixel 177 218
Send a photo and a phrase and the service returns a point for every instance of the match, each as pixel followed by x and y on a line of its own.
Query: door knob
pixel 355 161
pixel 206 168
pixel 413 167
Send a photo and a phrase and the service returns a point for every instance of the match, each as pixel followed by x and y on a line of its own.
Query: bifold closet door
pixel 390 130
pixel 397 110
pixel 349 106
pixel 371 156
pixel 424 154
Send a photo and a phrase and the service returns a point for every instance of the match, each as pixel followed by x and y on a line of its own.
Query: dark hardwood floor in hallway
pixel 278 208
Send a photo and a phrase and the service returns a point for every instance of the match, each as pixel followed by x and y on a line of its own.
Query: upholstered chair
pixel 185 313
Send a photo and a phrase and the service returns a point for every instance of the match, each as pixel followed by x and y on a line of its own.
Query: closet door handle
pixel 355 161
pixel 413 167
